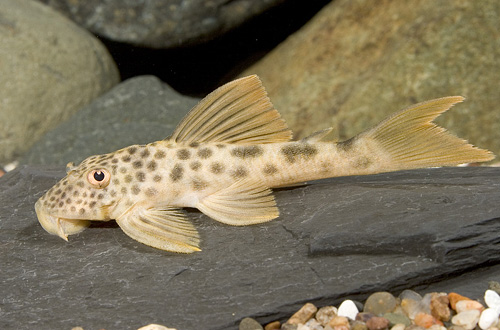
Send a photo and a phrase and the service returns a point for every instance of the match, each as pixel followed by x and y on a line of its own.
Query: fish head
pixel 85 193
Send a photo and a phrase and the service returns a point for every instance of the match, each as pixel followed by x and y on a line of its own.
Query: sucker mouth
pixel 59 226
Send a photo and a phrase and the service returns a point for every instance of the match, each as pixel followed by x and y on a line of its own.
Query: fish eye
pixel 99 178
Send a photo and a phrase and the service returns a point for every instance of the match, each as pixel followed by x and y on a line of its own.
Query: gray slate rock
pixel 160 23
pixel 49 68
pixel 335 239
pixel 137 111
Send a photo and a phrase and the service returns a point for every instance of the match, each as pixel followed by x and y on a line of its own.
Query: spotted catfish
pixel 224 157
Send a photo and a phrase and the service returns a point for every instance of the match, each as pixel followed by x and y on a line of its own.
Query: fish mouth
pixel 61 227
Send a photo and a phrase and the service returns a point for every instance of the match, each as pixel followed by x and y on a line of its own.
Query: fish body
pixel 224 157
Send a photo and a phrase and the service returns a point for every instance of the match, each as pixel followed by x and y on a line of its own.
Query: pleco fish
pixel 224 157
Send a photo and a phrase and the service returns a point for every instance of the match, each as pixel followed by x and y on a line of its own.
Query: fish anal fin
pixel 245 202
pixel 162 228
pixel 411 140
pixel 238 112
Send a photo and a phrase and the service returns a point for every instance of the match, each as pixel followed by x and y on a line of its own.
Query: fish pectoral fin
pixel 237 112
pixel 245 202
pixel 162 228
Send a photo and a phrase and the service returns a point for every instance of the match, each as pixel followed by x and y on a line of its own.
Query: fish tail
pixel 410 139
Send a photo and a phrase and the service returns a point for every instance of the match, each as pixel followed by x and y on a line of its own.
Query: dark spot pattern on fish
pixel 177 172
pixel 140 176
pixel 135 190
pixel 292 152
pixel 151 165
pixel 150 192
pixel 346 145
pixel 205 153
pixel 361 162
pixel 216 168
pixel 199 184
pixel 247 152
pixel 240 172
pixel 195 166
pixel 160 154
pixel 270 169
pixel 183 154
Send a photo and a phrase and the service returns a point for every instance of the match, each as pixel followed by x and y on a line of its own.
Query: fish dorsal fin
pixel 317 136
pixel 245 202
pixel 238 112
pixel 163 228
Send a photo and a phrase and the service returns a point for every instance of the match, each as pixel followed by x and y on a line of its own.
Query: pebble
pixel 273 325
pixel 437 327
pixel 426 320
pixel 377 323
pixel 410 311
pixel 380 303
pixel 339 321
pixel 249 324
pixel 467 319
pixel 425 304
pixel 357 325
pixel 414 327
pixel 397 318
pixel 410 294
pixel 288 326
pixel 325 314
pixel 313 324
pixel 348 309
pixel 495 286
pixel 398 326
pixel 303 315
pixel 410 307
pixel 155 327
pixel 492 300
pixel 467 305
pixel 454 298
pixel 363 316
pixel 488 318
pixel 439 306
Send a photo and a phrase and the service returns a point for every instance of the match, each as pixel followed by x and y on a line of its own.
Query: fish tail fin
pixel 410 139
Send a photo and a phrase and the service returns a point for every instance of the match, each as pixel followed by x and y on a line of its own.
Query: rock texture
pixel 139 110
pixel 159 23
pixel 335 239
pixel 358 61
pixel 49 68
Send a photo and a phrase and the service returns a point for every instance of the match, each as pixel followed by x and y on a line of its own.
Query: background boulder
pixel 49 68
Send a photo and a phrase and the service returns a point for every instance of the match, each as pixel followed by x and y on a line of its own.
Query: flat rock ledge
pixel 335 239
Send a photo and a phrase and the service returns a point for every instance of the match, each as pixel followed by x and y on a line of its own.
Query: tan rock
pixel 377 323
pixel 454 298
pixel 49 68
pixel 273 325
pixel 357 61
pixel 440 306
pixel 339 322
pixel 303 314
pixel 325 314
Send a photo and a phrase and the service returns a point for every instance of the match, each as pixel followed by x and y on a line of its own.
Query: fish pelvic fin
pixel 162 228
pixel 245 202
pixel 238 112
pixel 412 140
